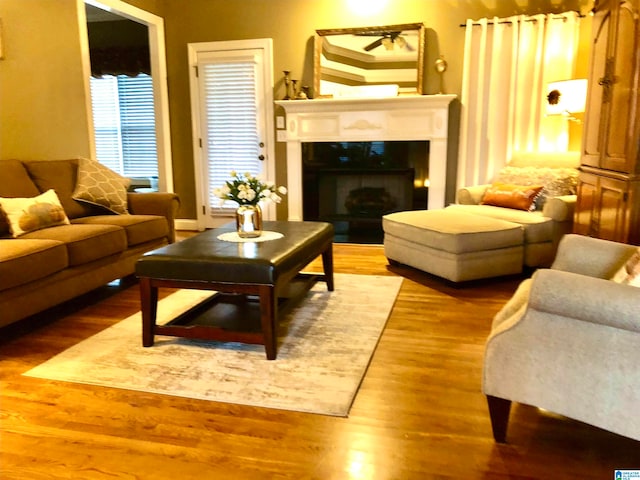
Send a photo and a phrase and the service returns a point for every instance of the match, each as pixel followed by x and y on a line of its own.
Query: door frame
pixel 265 44
pixel 157 54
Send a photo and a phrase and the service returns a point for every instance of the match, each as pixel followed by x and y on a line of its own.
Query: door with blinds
pixel 232 115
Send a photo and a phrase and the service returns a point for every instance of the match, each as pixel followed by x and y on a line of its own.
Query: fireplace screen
pixel 353 184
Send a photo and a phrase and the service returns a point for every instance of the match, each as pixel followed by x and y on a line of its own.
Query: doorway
pixel 231 85
pixel 106 10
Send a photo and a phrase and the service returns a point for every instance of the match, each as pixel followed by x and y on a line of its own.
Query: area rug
pixel 325 347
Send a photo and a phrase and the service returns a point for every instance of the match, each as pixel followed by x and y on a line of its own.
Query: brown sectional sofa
pixel 45 267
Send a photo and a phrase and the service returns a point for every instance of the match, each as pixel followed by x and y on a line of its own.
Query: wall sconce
pixel 567 97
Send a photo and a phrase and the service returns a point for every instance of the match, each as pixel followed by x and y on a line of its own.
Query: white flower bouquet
pixel 247 189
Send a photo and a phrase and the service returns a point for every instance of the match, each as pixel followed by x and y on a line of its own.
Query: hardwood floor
pixel 419 413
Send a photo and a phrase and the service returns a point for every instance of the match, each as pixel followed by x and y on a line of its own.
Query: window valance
pixel 130 61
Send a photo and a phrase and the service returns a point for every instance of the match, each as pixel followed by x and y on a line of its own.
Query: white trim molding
pixel 403 118
pixel 155 25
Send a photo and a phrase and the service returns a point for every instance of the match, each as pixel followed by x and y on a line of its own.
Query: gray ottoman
pixel 454 245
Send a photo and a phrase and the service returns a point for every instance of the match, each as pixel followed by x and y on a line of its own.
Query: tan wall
pixel 49 101
pixel 43 110
pixel 292 24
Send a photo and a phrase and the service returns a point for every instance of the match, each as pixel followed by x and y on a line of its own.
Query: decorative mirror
pixel 384 59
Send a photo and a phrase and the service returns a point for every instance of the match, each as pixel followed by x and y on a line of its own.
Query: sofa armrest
pixel 560 208
pixel 156 203
pixel 471 195
pixel 586 298
pixel 591 256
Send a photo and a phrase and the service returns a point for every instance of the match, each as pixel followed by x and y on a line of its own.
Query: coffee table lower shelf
pixel 234 313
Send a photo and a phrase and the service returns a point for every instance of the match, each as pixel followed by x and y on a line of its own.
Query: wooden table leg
pixel 149 306
pixel 268 320
pixel 327 265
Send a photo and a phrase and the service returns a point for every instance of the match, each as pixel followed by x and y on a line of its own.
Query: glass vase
pixel 249 221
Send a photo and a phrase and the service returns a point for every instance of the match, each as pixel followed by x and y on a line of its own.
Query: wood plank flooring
pixel 419 413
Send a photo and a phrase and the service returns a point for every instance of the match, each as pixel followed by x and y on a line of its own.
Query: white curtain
pixel 507 65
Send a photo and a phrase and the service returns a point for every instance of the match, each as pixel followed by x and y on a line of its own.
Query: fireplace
pixel 419 121
pixel 353 184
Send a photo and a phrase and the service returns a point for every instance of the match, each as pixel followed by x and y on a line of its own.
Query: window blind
pixel 106 122
pixel 124 123
pixel 231 119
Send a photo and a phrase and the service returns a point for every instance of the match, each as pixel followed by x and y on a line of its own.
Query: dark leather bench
pixel 260 271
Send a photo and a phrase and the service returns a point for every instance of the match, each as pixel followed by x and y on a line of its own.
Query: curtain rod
pixel 491 22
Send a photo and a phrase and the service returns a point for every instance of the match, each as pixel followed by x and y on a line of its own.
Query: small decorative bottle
pixel 287 83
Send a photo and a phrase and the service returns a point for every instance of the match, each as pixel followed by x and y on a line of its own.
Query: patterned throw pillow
pixel 98 185
pixel 29 214
pixel 629 273
pixel 519 197
pixel 556 181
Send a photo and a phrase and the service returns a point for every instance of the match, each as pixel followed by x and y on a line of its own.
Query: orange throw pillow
pixel 506 195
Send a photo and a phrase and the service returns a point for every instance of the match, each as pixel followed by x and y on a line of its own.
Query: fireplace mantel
pixel 404 118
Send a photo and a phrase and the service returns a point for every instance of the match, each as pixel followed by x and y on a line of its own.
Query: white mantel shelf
pixel 403 118
pixel 384 103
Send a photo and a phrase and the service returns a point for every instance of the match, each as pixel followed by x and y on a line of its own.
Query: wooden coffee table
pixel 254 282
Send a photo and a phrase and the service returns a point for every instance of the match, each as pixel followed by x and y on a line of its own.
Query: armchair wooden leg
pixel 499 409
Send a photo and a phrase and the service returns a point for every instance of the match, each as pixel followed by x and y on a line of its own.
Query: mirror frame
pixel 367 30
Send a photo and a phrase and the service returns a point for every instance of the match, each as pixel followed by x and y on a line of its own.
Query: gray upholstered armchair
pixel 568 341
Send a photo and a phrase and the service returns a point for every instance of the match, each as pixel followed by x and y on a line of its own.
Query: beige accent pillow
pixel 99 185
pixel 629 273
pixel 29 214
pixel 519 197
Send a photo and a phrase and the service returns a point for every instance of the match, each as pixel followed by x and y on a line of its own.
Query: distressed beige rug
pixel 326 345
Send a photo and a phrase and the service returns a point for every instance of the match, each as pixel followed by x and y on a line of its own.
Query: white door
pixel 232 116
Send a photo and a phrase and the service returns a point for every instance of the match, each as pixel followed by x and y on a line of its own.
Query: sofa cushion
pixel 98 185
pixel 23 261
pixel 537 228
pixel 85 243
pixel 28 214
pixel 14 182
pixel 61 175
pixel 507 195
pixel 139 228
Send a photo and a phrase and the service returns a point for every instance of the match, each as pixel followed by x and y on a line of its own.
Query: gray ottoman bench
pixel 454 245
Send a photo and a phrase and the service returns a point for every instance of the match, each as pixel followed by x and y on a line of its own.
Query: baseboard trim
pixel 186 224
pixel 192 223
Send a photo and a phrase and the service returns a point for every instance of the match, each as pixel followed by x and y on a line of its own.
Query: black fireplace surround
pixel 353 184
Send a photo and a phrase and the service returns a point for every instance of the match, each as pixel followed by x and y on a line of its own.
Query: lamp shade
pixel 566 97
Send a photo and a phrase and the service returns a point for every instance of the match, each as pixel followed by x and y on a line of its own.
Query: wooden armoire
pixel 608 204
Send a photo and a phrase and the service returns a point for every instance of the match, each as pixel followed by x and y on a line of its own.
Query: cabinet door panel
pixel 584 220
pixel 619 141
pixel 612 200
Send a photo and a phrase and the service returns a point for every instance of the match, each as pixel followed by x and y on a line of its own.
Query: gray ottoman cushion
pixel 537 228
pixel 452 231
pixel 452 244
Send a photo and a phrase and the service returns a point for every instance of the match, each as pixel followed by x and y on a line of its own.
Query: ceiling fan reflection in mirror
pixel 390 40
pixel 348 59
